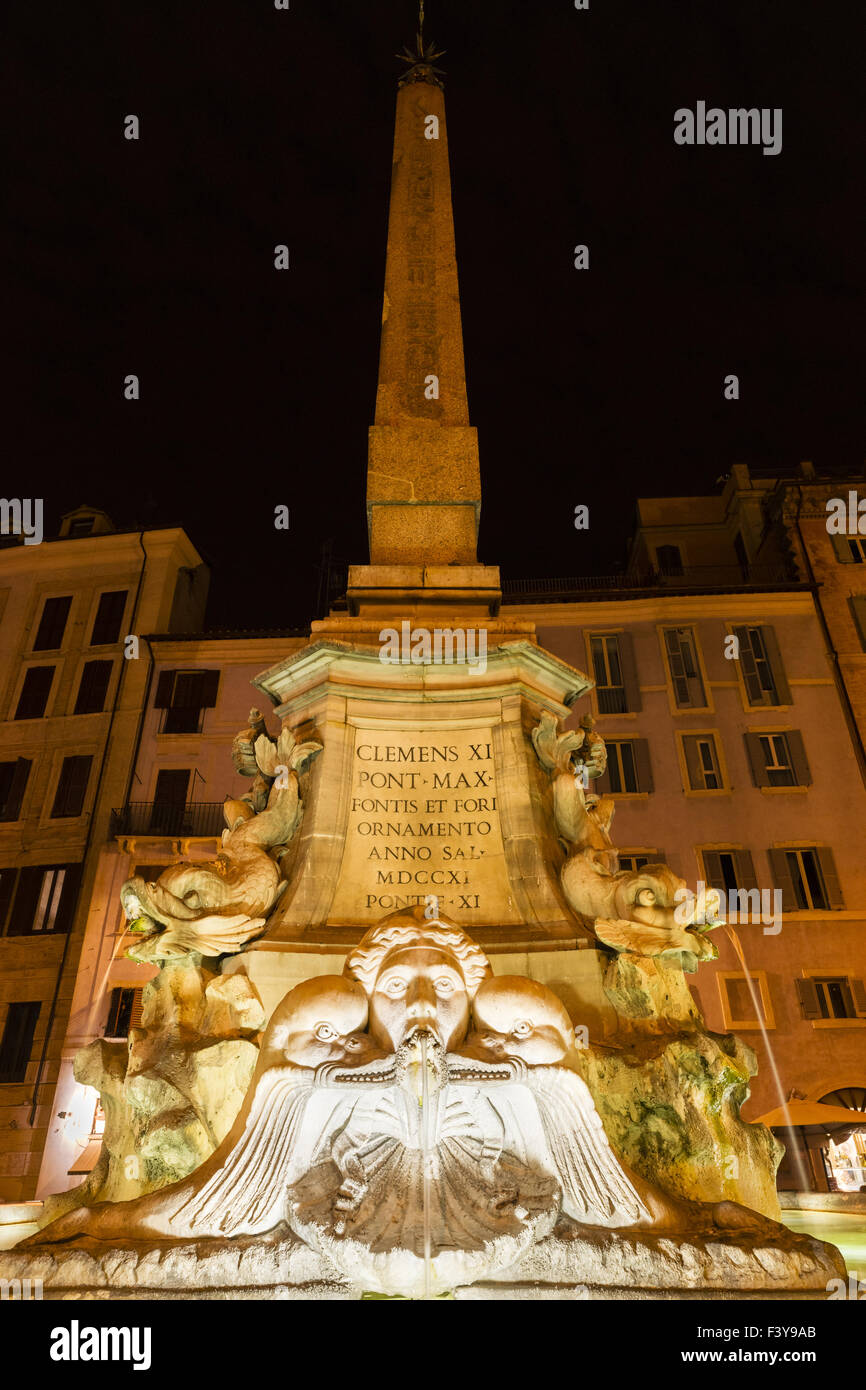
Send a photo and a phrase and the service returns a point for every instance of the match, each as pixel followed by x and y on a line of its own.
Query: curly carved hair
pixel 409 927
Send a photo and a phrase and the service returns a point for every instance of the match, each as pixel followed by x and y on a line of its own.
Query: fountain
pixel 343 1086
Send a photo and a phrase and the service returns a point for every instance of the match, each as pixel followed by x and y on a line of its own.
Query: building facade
pixel 72 689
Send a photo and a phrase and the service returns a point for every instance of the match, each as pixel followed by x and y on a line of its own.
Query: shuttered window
pixel 71 787
pixel 40 898
pixel 850 550
pixel 761 666
pixel 124 1012
pixel 13 782
pixel 628 767
pixel 93 689
pixel 183 695
pixel 34 692
pixel 17 1040
pixel 682 654
pixel 52 624
pixel 729 870
pixel 857 604
pixel 703 768
pixel 831 996
pixel 109 616
pixel 807 878
pixel 615 674
pixel 778 759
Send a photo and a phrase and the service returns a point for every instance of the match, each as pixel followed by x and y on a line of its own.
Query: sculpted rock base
pixel 572 1262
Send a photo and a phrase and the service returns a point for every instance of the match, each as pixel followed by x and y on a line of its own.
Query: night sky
pixel 260 126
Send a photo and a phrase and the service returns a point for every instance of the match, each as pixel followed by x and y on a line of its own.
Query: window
pixel 124 1012
pixel 169 801
pixel 615 674
pixel 71 787
pixel 807 878
pixel 34 692
pixel 850 550
pixel 669 559
pixel 13 780
pixel 40 898
pixel 17 1040
pixel 637 860
pixel 183 695
pixel 81 526
pixel 729 870
pixel 857 604
pixel 778 759
pixel 52 624
pixel 745 999
pixel 628 767
pixel 703 769
pixel 109 616
pixel 682 654
pixel 831 996
pixel 93 688
pixel 761 666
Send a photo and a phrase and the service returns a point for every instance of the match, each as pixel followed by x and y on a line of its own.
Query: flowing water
pixel 793 1146
pixel 426 1158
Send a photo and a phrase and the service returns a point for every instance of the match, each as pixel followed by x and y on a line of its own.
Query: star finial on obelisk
pixel 421 61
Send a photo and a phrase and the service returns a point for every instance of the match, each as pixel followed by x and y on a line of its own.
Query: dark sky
pixel 260 126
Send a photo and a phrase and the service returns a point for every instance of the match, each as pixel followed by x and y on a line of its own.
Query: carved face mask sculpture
pixel 419 975
pixel 516 1017
pixel 321 1020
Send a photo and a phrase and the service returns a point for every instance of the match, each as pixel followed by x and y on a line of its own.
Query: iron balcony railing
pixel 200 818
pixel 691 577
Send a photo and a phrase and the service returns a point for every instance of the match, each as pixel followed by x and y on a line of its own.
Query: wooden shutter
pixel 109 615
pixel 164 687
pixel 10 805
pixel 642 766
pixel 831 878
pixel 857 604
pixel 34 692
pixel 7 888
pixel 807 992
pixel 843 550
pixel 799 761
pixel 52 624
pixel 745 867
pixel 72 787
pixel 210 681
pixel 27 892
pixel 629 672
pixel 757 761
pixel 694 768
pixel 858 996
pixel 135 1014
pixel 712 861
pixel 68 898
pixel 17 1042
pixel 783 690
pixel 748 669
pixel 782 879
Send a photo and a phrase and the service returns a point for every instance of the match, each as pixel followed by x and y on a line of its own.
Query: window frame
pixel 53 598
pixel 54 666
pixel 712 737
pixel 763 989
pixel 675 708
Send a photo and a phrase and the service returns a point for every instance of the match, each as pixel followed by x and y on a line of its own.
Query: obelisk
pixel 423 476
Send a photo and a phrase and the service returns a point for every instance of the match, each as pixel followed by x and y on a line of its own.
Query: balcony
pixel 200 819
pixel 696 577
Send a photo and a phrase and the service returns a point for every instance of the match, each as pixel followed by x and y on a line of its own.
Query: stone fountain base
pixel 573 1263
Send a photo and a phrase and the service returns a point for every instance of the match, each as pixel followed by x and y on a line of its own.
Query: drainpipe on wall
pixel 87 843
pixel 847 707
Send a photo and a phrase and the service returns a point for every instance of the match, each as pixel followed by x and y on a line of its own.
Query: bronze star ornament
pixel 421 61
